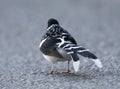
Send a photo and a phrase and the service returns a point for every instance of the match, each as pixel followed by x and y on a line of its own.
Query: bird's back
pixel 58 32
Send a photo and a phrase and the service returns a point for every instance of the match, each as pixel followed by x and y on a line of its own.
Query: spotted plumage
pixel 57 45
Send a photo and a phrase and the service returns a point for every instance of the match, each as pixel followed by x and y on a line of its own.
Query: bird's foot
pixel 68 71
pixel 52 72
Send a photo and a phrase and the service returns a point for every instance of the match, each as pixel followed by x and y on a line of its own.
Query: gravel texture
pixel 94 23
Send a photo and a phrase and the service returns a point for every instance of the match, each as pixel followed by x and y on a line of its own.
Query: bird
pixel 58 45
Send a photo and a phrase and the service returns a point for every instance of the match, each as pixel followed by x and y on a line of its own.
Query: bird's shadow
pixel 93 74
pixel 82 75
pixel 72 75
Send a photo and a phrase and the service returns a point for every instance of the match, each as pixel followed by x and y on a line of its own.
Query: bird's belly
pixel 53 59
pixel 63 53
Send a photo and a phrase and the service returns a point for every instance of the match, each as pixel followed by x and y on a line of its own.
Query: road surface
pixel 95 24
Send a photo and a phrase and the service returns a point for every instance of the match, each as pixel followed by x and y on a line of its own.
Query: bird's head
pixel 52 21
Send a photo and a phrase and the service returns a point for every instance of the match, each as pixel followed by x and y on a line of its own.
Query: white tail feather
pixel 97 62
pixel 76 65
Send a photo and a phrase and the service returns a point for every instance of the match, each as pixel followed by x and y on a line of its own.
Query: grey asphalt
pixel 95 24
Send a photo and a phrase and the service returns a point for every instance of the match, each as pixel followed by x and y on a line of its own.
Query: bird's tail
pixel 73 50
pixel 86 53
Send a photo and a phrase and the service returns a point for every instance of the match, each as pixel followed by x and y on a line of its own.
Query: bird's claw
pixel 68 71
pixel 52 72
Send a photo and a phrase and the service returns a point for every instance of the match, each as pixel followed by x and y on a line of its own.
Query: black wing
pixel 49 47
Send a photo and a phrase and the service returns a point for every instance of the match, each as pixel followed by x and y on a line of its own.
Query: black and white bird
pixel 58 45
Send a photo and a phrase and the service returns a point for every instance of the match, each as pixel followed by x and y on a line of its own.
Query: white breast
pixel 50 58
pixel 42 42
pixel 53 59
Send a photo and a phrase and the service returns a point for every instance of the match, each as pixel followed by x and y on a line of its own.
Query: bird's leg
pixel 52 69
pixel 68 68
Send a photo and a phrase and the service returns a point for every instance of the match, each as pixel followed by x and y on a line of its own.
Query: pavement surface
pixel 95 24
